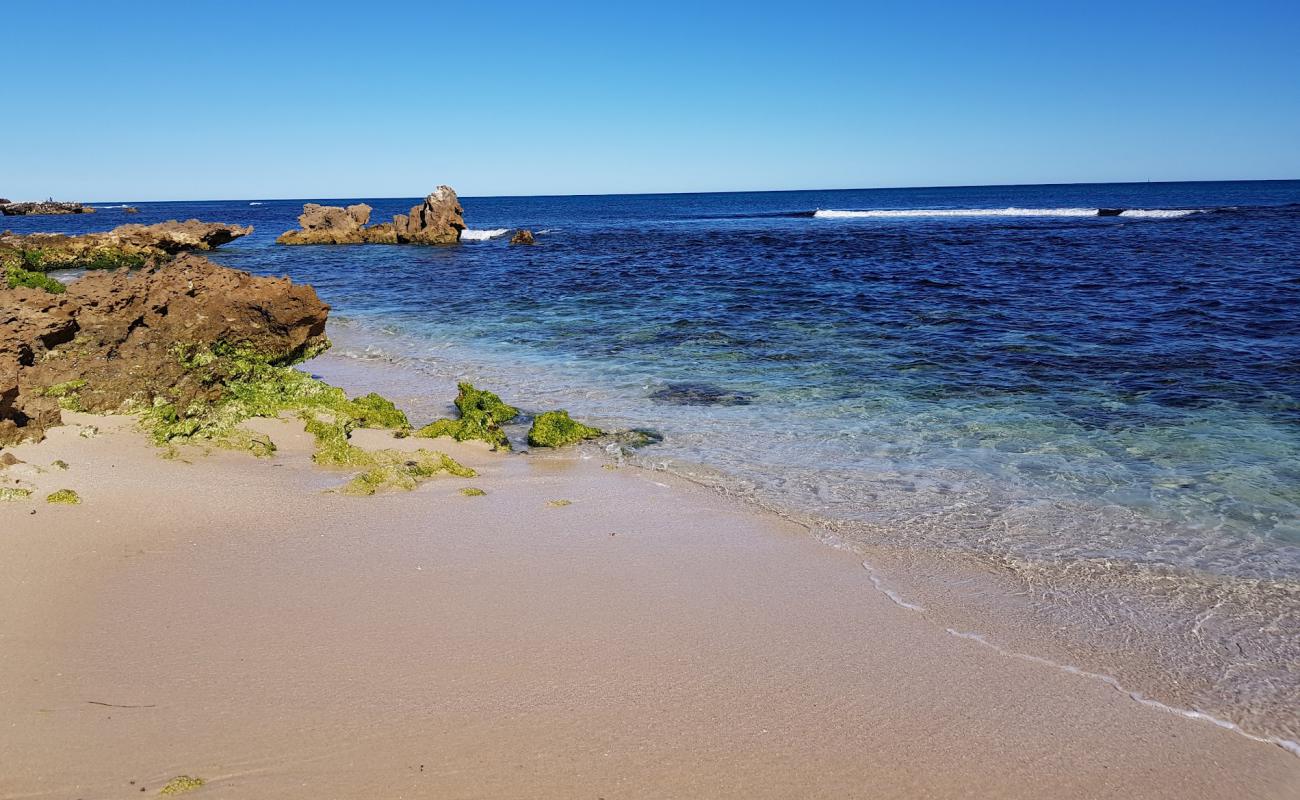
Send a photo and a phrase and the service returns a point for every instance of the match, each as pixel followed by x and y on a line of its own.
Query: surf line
pixel 880 586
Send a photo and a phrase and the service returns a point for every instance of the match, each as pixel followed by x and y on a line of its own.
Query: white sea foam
pixel 891 213
pixel 1189 713
pixel 1159 213
pixel 254 204
pixel 468 235
pixel 121 206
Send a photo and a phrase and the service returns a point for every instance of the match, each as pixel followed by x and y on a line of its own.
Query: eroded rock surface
pixel 126 245
pixel 337 225
pixel 118 341
pixel 438 220
pixel 48 207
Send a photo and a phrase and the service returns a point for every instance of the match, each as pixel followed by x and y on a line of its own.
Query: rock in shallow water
pixel 700 394
pixel 438 220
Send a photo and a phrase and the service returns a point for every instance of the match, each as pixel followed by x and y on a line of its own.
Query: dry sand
pixel 222 617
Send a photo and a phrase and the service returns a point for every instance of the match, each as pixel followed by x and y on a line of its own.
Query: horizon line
pixel 673 194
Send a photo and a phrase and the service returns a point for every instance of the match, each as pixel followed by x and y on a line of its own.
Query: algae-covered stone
pixel 10 494
pixel 558 503
pixel 375 411
pixel 252 387
pixel 556 429
pixel 181 784
pixel 472 491
pixel 64 497
pixel 482 414
pixel 17 276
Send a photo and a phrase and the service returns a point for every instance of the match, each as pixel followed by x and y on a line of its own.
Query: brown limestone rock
pixel 116 340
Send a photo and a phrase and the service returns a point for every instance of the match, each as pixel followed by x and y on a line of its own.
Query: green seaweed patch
pixel 246 385
pixel 558 503
pixel 67 393
pixel 181 784
pixel 472 491
pixel 482 414
pixel 59 465
pixel 17 276
pixel 64 497
pixel 10 494
pixel 64 389
pixel 380 469
pixel 556 429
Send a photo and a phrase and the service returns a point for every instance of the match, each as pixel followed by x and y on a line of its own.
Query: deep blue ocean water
pixel 1107 402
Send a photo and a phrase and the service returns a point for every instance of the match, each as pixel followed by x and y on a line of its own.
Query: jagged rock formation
pixel 122 340
pixel 438 220
pixel 523 236
pixel 126 245
pixel 48 207
pixel 335 225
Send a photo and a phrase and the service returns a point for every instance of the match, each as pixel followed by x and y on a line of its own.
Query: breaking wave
pixel 469 235
pixel 891 213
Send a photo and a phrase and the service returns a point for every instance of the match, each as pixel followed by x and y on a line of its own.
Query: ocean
pixel 1093 420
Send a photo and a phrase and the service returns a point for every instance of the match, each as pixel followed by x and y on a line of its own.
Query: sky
pixel 192 99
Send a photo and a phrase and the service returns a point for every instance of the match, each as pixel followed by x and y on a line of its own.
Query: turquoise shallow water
pixel 1104 409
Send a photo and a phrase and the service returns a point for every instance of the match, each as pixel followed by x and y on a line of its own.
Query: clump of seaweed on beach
pixel 557 429
pixel 250 386
pixel 181 784
pixel 379 469
pixel 482 414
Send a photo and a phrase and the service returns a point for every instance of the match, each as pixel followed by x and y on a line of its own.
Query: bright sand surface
pixel 223 617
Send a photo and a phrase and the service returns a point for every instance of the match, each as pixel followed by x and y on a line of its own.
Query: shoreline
pixel 995 595
pixel 707 649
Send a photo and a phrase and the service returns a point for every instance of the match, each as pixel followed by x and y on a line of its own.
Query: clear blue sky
pixel 195 99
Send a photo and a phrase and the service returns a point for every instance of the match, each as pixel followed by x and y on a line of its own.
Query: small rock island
pixel 438 220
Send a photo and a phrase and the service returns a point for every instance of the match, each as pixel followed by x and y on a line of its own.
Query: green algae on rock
pixel 64 497
pixel 181 784
pixel 482 414
pixel 250 386
pixel 556 429
pixel 10 494
pixel 16 276
pixel 472 491
pixel 67 393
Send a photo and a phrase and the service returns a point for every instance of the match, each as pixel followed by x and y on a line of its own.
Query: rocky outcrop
pixel 126 245
pixel 523 236
pixel 120 341
pixel 438 220
pixel 48 207
pixel 336 225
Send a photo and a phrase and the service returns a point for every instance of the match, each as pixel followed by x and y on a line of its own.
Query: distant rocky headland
pixel 438 220
pixel 11 209
pixel 123 246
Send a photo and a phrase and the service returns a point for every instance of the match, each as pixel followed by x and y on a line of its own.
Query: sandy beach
pixel 225 617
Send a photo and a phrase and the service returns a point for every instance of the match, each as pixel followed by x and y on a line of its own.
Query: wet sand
pixel 223 617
